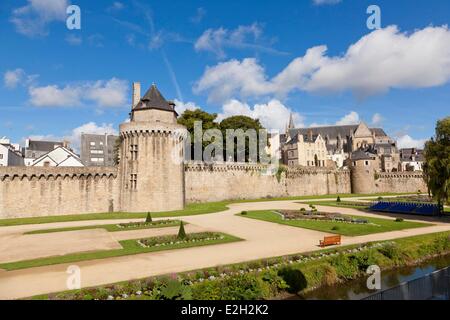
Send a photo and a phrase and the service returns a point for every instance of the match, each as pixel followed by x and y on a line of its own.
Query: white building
pixel 411 159
pixel 10 155
pixel 58 157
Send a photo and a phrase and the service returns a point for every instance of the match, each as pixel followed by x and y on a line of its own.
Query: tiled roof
pixel 153 99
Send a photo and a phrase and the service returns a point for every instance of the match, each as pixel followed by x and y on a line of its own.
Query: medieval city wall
pixel 38 191
pixel 399 182
pixel 217 182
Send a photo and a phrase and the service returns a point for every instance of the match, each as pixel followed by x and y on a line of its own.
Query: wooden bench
pixel 329 241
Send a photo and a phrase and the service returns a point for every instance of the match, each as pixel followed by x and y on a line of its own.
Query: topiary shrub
pixel 399 220
pixel 335 228
pixel 149 217
pixel 181 232
pixel 338 199
pixel 244 213
pixel 302 209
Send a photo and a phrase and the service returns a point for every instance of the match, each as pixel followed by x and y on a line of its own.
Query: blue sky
pixel 263 59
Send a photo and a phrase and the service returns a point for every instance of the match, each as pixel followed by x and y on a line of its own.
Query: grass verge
pixel 191 209
pixel 375 225
pixel 108 227
pixel 129 247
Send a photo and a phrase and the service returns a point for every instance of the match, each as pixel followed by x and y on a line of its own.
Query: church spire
pixel 291 122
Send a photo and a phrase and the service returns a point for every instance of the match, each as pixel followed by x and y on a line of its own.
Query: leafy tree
pixel 437 163
pixel 188 119
pixel 149 217
pixel 181 232
pixel 240 122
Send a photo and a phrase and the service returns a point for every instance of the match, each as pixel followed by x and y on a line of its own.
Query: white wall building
pixel 59 157
pixel 10 155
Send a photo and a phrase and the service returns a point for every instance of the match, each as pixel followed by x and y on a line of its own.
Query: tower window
pixel 134 151
pixel 133 181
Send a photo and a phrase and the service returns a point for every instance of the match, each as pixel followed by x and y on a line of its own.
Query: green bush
pixel 245 287
pixel 171 289
pixel 391 251
pixel 207 290
pixel 338 199
pixel 399 220
pixel 346 268
pixel 363 259
pixel 244 213
pixel 294 278
pixel 181 232
pixel 275 282
pixel 302 209
pixel 149 217
pixel 335 228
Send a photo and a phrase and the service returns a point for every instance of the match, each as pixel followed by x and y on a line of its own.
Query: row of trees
pixel 209 121
pixel 437 163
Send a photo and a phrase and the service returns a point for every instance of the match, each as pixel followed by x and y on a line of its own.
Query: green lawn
pixel 130 247
pixel 342 204
pixel 375 225
pixel 191 209
pixel 108 227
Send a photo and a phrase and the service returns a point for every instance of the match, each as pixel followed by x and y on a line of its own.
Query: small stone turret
pixel 152 152
pixel 363 169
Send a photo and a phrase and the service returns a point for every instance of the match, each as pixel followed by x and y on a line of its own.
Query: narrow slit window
pixel 133 181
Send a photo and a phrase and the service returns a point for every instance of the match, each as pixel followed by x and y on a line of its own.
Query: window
pixel 96 151
pixel 134 151
pixel 92 143
pixel 366 163
pixel 133 181
pixel 46 163
pixel 1 156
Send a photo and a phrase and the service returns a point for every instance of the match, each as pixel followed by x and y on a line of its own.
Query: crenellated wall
pixel 38 191
pixel 218 182
pixel 398 182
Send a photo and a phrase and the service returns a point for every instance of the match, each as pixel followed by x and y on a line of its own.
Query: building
pixel 305 150
pixel 98 149
pixel 411 159
pixel 341 141
pixel 58 157
pixel 151 166
pixel 34 149
pixel 10 155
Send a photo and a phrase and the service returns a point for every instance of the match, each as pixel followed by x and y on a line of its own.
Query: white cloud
pixel 12 78
pixel 181 106
pixel 33 18
pixel 382 60
pixel 272 115
pixel 111 93
pixel 407 141
pixel 351 118
pixel 243 37
pixel 377 119
pixel 199 15
pixel 324 2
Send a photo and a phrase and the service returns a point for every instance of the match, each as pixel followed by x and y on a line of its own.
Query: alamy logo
pixel 374 280
pixel 73 21
pixel 374 20
pixel 74 279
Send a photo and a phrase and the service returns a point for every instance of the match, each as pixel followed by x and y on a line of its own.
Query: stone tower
pixel 363 170
pixel 151 165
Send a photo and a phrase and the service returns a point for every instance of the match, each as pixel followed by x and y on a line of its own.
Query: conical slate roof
pixel 153 99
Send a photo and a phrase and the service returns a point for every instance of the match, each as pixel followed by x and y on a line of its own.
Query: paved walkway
pixel 261 240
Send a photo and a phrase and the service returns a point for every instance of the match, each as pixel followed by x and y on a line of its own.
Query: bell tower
pixel 151 155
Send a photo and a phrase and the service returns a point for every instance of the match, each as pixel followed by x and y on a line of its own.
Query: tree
pixel 245 123
pixel 188 119
pixel 436 167
pixel 149 217
pixel 181 232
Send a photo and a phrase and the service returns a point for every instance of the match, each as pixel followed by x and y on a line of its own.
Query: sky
pixel 317 59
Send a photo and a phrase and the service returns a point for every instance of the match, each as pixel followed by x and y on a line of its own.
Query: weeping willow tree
pixel 437 163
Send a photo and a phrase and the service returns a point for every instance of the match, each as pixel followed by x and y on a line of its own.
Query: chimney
pixel 310 135
pixel 136 93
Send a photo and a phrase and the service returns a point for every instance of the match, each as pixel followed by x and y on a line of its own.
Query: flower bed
pixel 157 223
pixel 319 216
pixel 173 239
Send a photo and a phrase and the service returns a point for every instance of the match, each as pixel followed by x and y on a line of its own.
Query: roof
pixel 58 158
pixel 45 146
pixel 334 131
pixel 362 155
pixel 409 153
pixel 153 99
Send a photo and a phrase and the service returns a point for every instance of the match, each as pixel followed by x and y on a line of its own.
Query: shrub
pixel 171 289
pixel 244 213
pixel 346 268
pixel 391 251
pixel 380 198
pixel 149 217
pixel 275 282
pixel 302 209
pixel 338 199
pixel 207 290
pixel 399 220
pixel 294 278
pixel 245 287
pixel 335 228
pixel 330 276
pixel 181 232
